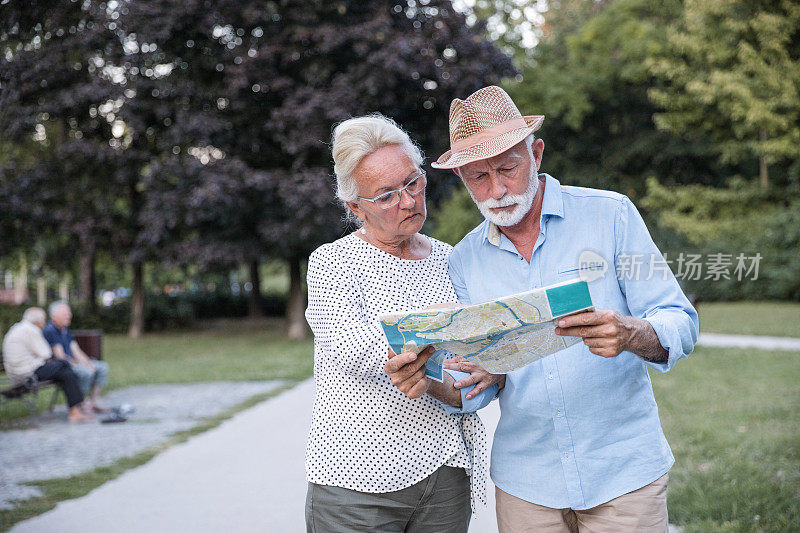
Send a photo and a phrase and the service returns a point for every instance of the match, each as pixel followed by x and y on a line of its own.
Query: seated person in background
pixel 26 352
pixel 93 374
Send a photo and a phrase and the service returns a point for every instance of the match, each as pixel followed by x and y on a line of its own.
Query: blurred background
pixel 165 167
pixel 167 161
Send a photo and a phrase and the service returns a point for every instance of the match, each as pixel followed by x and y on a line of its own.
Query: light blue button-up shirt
pixel 576 429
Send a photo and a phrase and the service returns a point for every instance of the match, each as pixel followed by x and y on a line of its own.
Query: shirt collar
pixel 552 205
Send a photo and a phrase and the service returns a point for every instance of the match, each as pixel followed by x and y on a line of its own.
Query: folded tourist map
pixel 499 335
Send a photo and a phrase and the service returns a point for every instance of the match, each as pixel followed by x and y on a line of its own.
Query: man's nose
pixel 497 188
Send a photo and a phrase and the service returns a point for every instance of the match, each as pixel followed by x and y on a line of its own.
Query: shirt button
pixel 566 455
pixel 558 413
pixel 550 375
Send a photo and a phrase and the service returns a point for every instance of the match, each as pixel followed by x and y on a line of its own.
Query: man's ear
pixel 538 152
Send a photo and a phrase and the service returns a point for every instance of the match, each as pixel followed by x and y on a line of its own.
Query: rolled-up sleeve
pixel 651 290
pixel 470 406
pixel 338 319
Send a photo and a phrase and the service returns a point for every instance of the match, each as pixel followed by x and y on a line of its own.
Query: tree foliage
pixel 589 76
pixel 732 73
pixel 199 135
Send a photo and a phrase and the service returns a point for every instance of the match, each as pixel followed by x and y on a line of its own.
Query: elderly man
pixel 93 374
pixel 579 445
pixel 26 352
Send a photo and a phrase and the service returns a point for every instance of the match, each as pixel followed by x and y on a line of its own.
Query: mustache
pixel 505 201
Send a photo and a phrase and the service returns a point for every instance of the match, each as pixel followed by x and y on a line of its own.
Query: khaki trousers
pixel 643 510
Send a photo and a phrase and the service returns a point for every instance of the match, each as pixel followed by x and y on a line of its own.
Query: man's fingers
pixel 391 352
pixel 586 331
pixel 587 318
pixel 462 366
pixel 454 361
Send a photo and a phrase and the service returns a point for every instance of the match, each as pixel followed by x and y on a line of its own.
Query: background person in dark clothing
pixel 92 374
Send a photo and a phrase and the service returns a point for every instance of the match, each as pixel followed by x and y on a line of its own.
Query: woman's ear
pixel 356 209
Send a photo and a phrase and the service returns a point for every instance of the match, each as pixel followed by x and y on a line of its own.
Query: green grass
pixel 732 418
pixel 781 319
pixel 232 350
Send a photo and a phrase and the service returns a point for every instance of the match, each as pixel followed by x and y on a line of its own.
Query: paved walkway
pixel 761 342
pixel 245 475
pixel 50 447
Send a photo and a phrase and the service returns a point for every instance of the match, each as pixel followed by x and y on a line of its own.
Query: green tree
pixel 739 218
pixel 732 72
pixel 589 75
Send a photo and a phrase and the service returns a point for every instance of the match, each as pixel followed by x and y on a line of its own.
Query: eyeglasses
pixel 392 198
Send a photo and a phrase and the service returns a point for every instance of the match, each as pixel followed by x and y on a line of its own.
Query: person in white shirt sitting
pixel 26 352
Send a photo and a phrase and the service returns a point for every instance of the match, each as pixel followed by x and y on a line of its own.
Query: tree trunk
pixel 63 289
pixel 136 328
pixel 21 285
pixel 41 291
pixel 254 299
pixel 763 169
pixel 296 306
pixel 88 280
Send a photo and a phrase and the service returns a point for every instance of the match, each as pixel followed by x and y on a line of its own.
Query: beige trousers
pixel 643 510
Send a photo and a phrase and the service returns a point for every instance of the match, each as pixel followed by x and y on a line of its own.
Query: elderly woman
pixel 381 457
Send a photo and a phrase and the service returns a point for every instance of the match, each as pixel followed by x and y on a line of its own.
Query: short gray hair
pixel 34 315
pixel 356 138
pixel 55 305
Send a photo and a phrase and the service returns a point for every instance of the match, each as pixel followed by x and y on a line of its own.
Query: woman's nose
pixel 406 199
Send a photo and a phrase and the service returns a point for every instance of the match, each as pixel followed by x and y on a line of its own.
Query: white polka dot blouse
pixel 365 434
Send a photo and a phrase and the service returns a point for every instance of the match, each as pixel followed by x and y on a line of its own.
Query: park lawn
pixel 732 418
pixel 780 319
pixel 226 350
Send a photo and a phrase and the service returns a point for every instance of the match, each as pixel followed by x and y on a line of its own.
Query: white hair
pixel 34 315
pixel 55 305
pixel 522 202
pixel 356 138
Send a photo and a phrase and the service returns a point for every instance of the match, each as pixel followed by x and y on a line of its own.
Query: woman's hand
pixel 477 375
pixel 407 371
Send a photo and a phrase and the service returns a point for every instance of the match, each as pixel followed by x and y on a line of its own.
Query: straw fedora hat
pixel 487 123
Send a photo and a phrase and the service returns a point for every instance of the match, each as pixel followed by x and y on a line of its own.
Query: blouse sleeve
pixel 338 319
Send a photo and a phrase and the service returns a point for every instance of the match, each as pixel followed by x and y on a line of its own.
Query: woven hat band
pixel 488 134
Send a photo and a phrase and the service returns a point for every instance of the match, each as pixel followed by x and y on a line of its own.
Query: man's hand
pixel 477 375
pixel 407 371
pixel 608 333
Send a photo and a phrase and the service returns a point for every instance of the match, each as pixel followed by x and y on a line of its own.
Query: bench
pixel 90 341
pixel 27 390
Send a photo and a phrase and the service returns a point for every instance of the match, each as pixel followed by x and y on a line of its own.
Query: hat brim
pixel 490 148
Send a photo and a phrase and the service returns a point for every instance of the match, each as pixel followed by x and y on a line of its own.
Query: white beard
pixel 514 216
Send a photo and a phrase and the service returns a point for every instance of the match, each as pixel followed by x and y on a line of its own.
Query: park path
pixel 245 475
pixel 761 342
pixel 248 474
